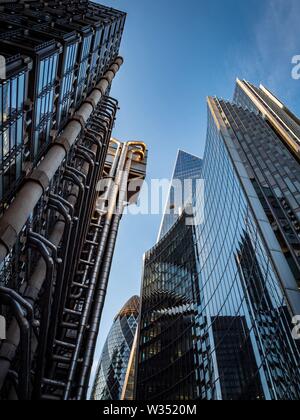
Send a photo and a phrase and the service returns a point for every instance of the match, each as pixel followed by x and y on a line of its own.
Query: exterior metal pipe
pixel 34 286
pixel 98 305
pixel 66 227
pixel 32 291
pixel 101 291
pixel 86 212
pixel 10 297
pixel 94 276
pixel 33 241
pixel 39 275
pixel 111 175
pixel 18 213
pixel 76 196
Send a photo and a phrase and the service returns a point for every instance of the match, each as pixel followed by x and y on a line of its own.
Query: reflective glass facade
pixel 270 162
pixel 114 362
pixel 170 301
pixel 218 298
pixel 187 172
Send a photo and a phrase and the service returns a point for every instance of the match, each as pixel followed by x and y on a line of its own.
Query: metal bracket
pixel 8 351
pixel 80 120
pixel 63 142
pixel 8 235
pixel 91 102
pixel 41 178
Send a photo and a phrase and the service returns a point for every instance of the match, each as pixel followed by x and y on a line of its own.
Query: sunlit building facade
pixel 115 359
pixel 270 150
pixel 218 298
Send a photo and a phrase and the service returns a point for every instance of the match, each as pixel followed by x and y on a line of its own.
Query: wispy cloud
pixel 275 40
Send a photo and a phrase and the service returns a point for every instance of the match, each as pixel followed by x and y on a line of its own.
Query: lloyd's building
pixel 58 228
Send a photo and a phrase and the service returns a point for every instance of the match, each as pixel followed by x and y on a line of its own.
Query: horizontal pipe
pixel 15 218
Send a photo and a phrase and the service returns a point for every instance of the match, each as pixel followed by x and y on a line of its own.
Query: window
pixel 66 90
pixel 45 103
pixel 12 97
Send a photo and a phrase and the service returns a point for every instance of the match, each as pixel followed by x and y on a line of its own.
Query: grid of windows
pixel 275 170
pixel 240 285
pixel 167 344
pixel 95 57
pixel 66 90
pixel 12 98
pixel 44 107
pixel 69 54
pixel 83 69
pixel 288 121
pixel 42 82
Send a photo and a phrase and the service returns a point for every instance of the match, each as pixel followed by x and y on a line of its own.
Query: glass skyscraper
pixel 170 295
pixel 218 298
pixel 183 188
pixel 114 363
pixel 263 102
pixel 269 148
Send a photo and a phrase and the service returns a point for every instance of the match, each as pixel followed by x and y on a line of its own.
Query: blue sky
pixel 177 53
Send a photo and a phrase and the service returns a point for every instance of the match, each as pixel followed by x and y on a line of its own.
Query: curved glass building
pixel 115 358
pixel 218 298
pixel 171 298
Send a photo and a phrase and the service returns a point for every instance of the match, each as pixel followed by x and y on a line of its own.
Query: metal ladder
pixel 77 302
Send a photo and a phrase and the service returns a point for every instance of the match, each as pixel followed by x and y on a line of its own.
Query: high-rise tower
pixel 218 298
pixel 170 296
pixel 182 190
pixel 272 160
pixel 261 101
pixel 114 364
pixel 58 228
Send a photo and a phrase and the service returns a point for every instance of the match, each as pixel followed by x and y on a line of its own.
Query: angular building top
pixel 269 148
pixel 261 100
pixel 182 190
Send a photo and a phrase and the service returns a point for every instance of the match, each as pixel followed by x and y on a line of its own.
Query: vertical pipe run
pixel 104 271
